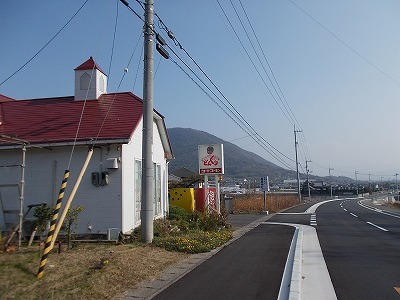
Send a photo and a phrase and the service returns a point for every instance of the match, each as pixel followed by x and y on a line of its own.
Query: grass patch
pixel 197 242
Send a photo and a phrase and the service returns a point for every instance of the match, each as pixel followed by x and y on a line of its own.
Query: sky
pixel 335 69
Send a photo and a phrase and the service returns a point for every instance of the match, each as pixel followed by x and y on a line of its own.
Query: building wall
pixel 105 206
pixel 131 152
pixel 44 172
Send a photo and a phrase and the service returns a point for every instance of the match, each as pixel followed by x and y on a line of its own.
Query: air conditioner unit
pixel 112 234
pixel 112 163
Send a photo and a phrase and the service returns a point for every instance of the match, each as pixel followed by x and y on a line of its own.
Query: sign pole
pixel 265 201
pixel 217 196
pixel 206 193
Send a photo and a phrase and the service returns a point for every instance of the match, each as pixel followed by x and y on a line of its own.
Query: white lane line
pixel 344 209
pixel 379 210
pixel 381 228
pixel 354 215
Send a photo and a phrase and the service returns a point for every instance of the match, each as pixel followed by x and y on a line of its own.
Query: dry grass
pixel 79 273
pixel 254 203
pixel 98 271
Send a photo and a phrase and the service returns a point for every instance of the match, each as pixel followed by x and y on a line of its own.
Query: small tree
pixel 43 215
pixel 70 222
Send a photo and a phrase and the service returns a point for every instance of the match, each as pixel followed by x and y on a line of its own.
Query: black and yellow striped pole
pixel 49 246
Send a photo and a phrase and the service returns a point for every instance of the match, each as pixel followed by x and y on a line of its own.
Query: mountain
pixel 239 163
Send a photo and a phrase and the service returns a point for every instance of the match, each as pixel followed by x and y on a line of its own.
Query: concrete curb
pixel 307 269
pixel 149 289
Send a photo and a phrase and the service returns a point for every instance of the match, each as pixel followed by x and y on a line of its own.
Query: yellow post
pixel 64 213
pixel 48 247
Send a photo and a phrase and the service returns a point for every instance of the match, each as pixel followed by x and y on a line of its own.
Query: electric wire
pixel 115 94
pixel 111 60
pixel 234 112
pixel 290 118
pixel 178 44
pixel 84 102
pixel 229 115
pixel 45 45
pixel 113 43
pixel 290 112
pixel 254 65
pixel 346 44
pixel 137 69
pixel 240 120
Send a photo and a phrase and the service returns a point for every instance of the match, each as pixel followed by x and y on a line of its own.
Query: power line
pixel 273 83
pixel 41 49
pixel 346 44
pixel 232 115
pixel 269 66
pixel 254 65
pixel 228 105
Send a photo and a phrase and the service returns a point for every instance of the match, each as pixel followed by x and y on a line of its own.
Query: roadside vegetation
pixel 104 271
pixel 254 203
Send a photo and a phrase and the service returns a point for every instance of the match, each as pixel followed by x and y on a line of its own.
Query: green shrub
pixel 177 213
pixel 194 242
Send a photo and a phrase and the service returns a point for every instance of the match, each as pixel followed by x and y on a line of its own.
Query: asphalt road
pixel 362 258
pixel 249 268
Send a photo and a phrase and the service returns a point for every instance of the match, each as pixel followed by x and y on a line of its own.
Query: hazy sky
pixel 336 62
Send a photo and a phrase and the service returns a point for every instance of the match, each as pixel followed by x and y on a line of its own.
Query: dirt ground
pixel 85 272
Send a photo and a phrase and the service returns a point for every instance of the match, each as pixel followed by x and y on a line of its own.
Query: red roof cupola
pixel 90 81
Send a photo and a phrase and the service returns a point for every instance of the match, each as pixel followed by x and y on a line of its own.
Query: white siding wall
pixel 43 175
pixel 159 158
pixel 109 206
pixel 130 152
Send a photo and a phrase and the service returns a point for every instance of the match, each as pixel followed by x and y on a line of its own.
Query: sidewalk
pixel 148 290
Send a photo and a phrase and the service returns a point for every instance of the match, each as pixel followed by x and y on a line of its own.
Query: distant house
pixel 184 173
pixel 110 191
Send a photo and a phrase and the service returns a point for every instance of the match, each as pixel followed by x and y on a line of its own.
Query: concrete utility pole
pixel 308 179
pixel 397 187
pixel 146 212
pixel 355 174
pixel 297 163
pixel 330 180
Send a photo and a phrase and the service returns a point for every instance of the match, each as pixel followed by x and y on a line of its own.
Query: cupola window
pixel 85 81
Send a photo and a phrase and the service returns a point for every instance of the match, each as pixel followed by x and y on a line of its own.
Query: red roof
pixel 90 64
pixel 5 98
pixel 55 120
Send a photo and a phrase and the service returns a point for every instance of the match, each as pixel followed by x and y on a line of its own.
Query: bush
pixel 177 213
pixel 195 242
pixel 194 232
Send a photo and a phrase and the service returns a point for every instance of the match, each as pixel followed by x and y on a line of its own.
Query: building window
pixel 101 84
pixel 85 81
pixel 157 189
pixel 138 189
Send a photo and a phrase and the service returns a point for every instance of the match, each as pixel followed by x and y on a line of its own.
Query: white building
pixel 110 191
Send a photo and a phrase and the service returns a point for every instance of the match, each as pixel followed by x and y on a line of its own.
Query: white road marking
pixel 354 215
pixel 381 228
pixel 379 210
pixel 344 209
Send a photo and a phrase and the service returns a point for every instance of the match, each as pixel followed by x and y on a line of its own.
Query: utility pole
pixel 397 187
pixel 369 181
pixel 146 212
pixel 355 174
pixel 297 163
pixel 308 179
pixel 330 180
